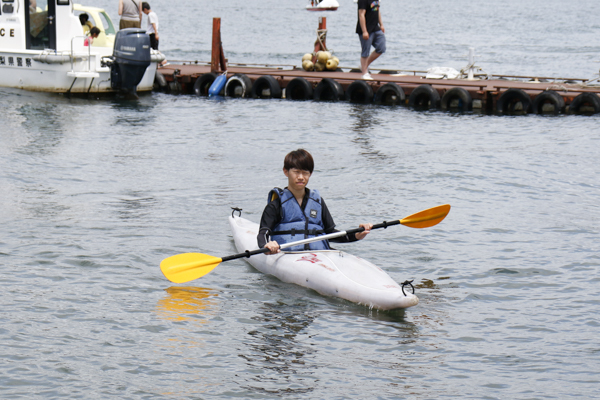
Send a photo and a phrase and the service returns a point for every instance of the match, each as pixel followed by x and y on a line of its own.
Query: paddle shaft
pixel 333 235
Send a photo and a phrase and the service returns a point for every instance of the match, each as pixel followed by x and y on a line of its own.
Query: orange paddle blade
pixel 186 267
pixel 426 218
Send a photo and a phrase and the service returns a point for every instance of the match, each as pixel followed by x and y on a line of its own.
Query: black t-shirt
pixel 371 15
pixel 272 216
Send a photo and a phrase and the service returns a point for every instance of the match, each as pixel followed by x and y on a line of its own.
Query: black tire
pixel 359 92
pixel 508 103
pixel 424 97
pixel 299 89
pixel 548 97
pixel 266 87
pixel 388 72
pixel 585 104
pixel 160 83
pixel 390 94
pixel 203 83
pixel 239 85
pixel 328 90
pixel 457 98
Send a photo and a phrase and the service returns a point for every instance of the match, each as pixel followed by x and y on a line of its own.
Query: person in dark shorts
pixel 371 33
pixel 152 27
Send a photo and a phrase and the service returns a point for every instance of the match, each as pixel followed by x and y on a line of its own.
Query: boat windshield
pixel 108 25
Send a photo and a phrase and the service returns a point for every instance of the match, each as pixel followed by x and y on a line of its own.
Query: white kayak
pixel 332 273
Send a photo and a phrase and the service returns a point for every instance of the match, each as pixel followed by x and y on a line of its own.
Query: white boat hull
pixel 331 273
pixel 51 75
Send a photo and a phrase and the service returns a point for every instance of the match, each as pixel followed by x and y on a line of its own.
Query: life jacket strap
pixel 293 232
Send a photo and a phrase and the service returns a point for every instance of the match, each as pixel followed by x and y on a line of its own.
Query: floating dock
pixel 493 94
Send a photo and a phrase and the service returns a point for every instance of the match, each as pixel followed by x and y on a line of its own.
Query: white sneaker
pixel 367 77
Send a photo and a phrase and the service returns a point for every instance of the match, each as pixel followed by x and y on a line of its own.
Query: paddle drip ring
pixel 408 283
pixel 239 210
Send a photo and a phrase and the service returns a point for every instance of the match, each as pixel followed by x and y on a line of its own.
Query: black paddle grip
pixel 384 225
pixel 246 254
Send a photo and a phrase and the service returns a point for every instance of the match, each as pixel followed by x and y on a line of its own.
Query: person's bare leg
pixel 364 65
pixel 372 57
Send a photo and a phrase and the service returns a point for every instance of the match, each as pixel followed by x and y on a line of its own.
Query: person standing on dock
pixel 131 14
pixel 152 28
pixel 371 33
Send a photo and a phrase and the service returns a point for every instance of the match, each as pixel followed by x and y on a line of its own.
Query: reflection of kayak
pixel 330 272
pixel 324 5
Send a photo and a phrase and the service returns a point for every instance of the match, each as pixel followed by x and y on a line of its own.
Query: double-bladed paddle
pixel 189 266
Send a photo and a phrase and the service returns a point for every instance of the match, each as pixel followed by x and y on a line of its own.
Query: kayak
pixel 333 273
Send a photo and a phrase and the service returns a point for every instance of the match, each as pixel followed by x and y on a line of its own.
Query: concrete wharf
pixel 494 94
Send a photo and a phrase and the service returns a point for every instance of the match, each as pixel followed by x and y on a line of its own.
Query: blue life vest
pixel 296 224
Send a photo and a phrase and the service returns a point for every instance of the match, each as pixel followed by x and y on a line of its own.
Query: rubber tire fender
pixel 390 94
pixel 465 101
pixel 548 96
pixel 299 89
pixel 160 83
pixel 263 83
pixel 359 92
pixel 328 90
pixel 586 98
pixel 239 85
pixel 424 97
pixel 203 83
pixel 507 101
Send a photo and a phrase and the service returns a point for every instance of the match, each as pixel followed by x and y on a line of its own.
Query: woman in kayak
pixel 297 213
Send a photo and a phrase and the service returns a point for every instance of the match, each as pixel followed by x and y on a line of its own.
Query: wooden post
pixel 218 62
pixel 318 46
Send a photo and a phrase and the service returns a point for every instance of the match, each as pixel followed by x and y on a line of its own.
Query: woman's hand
pixel 273 247
pixel 361 235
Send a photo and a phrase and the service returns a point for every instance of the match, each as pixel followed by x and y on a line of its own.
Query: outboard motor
pixel 131 58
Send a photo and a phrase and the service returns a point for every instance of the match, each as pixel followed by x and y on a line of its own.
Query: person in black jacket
pixel 298 167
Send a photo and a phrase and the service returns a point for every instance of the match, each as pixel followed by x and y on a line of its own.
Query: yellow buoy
pixel 308 65
pixel 319 66
pixel 331 64
pixel 307 56
pixel 323 56
pixel 337 60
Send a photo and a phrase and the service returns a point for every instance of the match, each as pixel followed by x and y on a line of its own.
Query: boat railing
pixel 89 48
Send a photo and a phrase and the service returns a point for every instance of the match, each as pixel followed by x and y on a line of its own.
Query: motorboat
pixel 43 48
pixel 322 5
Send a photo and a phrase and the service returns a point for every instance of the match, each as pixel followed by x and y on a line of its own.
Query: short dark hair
pixel 94 30
pixel 83 18
pixel 299 159
pixel 145 6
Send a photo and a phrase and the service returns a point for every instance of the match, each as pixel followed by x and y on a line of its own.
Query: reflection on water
pixel 43 124
pixel 140 113
pixel 364 119
pixel 276 350
pixel 186 304
pixel 136 206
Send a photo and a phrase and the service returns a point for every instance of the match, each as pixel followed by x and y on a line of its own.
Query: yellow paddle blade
pixel 188 266
pixel 426 218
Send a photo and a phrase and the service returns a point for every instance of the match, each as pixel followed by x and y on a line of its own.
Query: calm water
pixel 95 193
